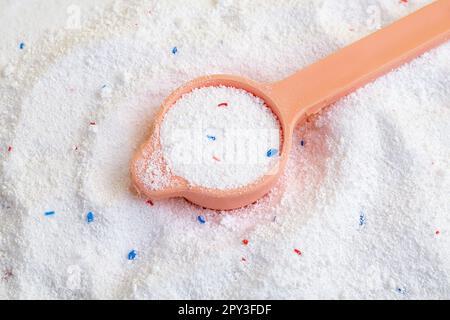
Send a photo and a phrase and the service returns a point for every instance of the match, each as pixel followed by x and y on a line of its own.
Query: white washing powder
pixel 364 198
pixel 220 137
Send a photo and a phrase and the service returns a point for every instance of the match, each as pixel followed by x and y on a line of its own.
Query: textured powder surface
pixel 364 199
pixel 219 137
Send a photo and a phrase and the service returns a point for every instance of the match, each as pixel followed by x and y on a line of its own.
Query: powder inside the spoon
pixel 220 137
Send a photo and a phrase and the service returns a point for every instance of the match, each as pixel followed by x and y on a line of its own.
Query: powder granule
pixel 220 137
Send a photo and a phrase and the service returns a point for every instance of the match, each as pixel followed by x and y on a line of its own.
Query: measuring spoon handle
pixel 333 77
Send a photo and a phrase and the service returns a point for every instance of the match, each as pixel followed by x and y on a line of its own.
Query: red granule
pixel 245 242
pixel 243 259
pixel 9 148
pixel 437 232
pixel 150 202
pixel 7 274
pixel 298 252
pixel 215 158
pixel 92 123
pixel 403 1
pixel 223 104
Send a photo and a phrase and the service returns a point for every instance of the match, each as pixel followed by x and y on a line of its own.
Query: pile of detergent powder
pixel 362 210
pixel 220 137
